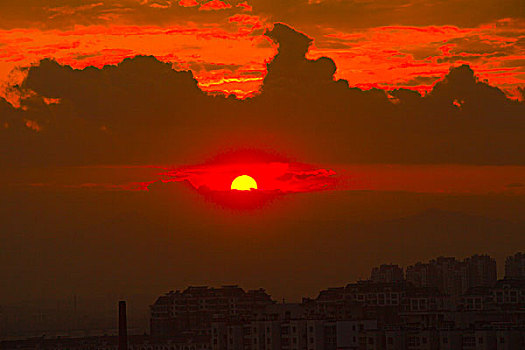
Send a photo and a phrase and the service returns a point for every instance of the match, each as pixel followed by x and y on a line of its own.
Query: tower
pixel 122 326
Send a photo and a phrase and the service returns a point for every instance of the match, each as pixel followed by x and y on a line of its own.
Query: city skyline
pixel 514 269
pixel 198 314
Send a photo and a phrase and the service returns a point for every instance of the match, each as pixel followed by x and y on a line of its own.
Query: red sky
pixel 442 174
pixel 380 44
pixel 435 179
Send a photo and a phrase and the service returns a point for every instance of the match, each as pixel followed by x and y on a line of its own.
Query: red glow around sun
pixel 276 176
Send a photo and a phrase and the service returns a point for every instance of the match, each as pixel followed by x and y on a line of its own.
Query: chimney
pixel 122 326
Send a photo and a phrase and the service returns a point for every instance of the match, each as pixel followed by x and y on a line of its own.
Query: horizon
pixel 77 313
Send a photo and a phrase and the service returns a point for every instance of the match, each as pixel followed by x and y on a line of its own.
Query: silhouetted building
pixel 194 309
pixel 481 271
pixel 423 275
pixel 452 276
pixel 515 266
pixel 395 316
pixel 476 299
pixel 509 293
pixel 387 274
pixel 449 275
pixel 421 313
pixel 293 331
pixel 361 300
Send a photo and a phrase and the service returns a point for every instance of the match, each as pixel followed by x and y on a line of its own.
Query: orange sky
pixel 223 43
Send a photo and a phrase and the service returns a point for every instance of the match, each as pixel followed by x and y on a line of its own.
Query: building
pixel 194 309
pixel 481 270
pixel 428 311
pixel 423 275
pixel 515 266
pixel 274 326
pixel 387 274
pixel 426 307
pixel 454 277
pixel 476 299
pixel 449 275
pixel 290 334
pixel 509 294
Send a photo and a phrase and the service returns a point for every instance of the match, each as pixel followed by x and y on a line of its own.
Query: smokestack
pixel 122 326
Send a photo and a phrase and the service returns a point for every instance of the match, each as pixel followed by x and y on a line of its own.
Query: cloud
pixel 383 57
pixel 188 3
pixel 389 56
pixel 108 45
pixel 275 175
pixel 143 111
pixel 214 5
pixel 245 6
pixel 280 177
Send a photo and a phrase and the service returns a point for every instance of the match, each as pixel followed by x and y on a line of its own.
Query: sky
pixel 389 44
pixel 377 131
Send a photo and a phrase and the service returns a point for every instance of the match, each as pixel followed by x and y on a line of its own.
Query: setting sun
pixel 244 183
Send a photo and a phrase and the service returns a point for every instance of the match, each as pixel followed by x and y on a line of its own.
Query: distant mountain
pixel 434 215
pixel 436 232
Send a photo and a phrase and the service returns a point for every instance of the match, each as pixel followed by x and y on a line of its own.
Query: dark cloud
pixel 289 73
pixel 143 111
pixel 421 80
pixel 198 66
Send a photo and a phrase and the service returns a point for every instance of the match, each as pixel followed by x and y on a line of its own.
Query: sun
pixel 244 183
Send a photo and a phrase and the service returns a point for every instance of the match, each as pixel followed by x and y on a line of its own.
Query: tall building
pixel 452 276
pixel 387 274
pixel 481 271
pixel 447 274
pixel 422 275
pixel 515 266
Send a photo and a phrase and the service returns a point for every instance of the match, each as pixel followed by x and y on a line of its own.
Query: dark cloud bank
pixel 143 111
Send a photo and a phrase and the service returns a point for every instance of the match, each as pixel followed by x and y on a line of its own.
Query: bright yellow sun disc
pixel 244 183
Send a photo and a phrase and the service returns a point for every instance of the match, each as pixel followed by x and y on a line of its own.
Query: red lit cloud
pixel 188 3
pixel 245 6
pixel 281 177
pixel 253 21
pixel 214 5
pixel 81 48
pixel 391 57
pixel 387 57
pixel 275 177
pixel 451 179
